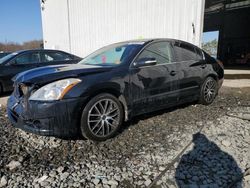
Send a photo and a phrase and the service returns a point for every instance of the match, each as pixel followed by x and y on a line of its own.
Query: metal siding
pixel 55 25
pixel 95 23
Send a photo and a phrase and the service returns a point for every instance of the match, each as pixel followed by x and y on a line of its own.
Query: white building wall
pixel 82 26
pixel 55 24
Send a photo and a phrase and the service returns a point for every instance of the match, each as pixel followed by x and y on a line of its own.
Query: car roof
pixel 35 50
pixel 145 41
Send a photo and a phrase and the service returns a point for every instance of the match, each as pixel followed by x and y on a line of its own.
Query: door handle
pixel 203 66
pixel 172 73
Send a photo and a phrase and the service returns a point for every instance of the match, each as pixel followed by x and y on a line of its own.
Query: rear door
pixel 190 68
pixel 55 58
pixel 22 62
pixel 154 87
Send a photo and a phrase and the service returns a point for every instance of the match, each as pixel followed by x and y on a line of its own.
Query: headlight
pixel 55 90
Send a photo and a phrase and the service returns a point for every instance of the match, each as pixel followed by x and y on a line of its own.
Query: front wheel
pixel 101 117
pixel 209 91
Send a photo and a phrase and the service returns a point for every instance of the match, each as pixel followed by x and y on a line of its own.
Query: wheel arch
pixel 114 92
pixel 214 76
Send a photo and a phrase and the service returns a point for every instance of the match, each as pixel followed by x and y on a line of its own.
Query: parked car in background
pixel 20 61
pixel 111 85
pixel 2 54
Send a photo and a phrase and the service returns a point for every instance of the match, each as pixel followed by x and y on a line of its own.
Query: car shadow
pixel 206 165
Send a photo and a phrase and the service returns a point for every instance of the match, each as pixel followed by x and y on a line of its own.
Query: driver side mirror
pixel 145 62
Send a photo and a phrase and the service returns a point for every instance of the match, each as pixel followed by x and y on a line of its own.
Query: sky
pixel 20 20
pixel 209 36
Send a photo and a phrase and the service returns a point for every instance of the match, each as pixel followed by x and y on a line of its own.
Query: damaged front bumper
pixel 56 118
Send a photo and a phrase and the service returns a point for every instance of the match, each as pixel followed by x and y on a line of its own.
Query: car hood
pixel 49 74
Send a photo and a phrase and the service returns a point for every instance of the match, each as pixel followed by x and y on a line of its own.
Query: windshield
pixel 5 58
pixel 111 55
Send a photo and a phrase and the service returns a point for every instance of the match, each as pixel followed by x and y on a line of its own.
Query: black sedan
pixel 20 61
pixel 3 54
pixel 112 85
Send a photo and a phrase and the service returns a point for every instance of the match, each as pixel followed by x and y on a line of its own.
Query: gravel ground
pixel 188 146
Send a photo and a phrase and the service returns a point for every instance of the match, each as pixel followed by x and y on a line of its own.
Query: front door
pixel 153 87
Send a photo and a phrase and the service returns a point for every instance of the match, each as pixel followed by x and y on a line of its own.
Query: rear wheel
pixel 209 91
pixel 102 117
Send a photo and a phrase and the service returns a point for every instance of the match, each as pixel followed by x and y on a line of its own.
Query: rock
pixel 117 177
pixel 130 174
pixel 60 169
pixel 45 184
pixel 226 143
pixel 3 181
pixel 36 186
pixel 104 181
pixel 52 174
pixel 20 159
pixel 41 179
pixel 161 168
pixel 96 181
pixel 64 175
pixel 125 175
pixel 247 178
pixel 112 182
pixel 147 182
pixel 13 165
pixel 140 183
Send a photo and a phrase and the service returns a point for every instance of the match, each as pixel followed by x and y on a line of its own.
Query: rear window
pixel 55 56
pixel 184 52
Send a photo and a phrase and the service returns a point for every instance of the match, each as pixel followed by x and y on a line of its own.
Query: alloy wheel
pixel 103 117
pixel 210 91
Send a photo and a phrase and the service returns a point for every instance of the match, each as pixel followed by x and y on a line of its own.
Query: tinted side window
pixel 184 52
pixel 55 56
pixel 161 51
pixel 28 58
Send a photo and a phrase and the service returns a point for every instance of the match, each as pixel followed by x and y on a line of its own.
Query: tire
pixel 209 91
pixel 102 117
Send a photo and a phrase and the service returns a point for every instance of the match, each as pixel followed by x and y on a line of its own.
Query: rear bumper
pixel 57 118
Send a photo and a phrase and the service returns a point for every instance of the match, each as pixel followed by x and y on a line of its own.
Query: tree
pixel 211 47
pixel 11 46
